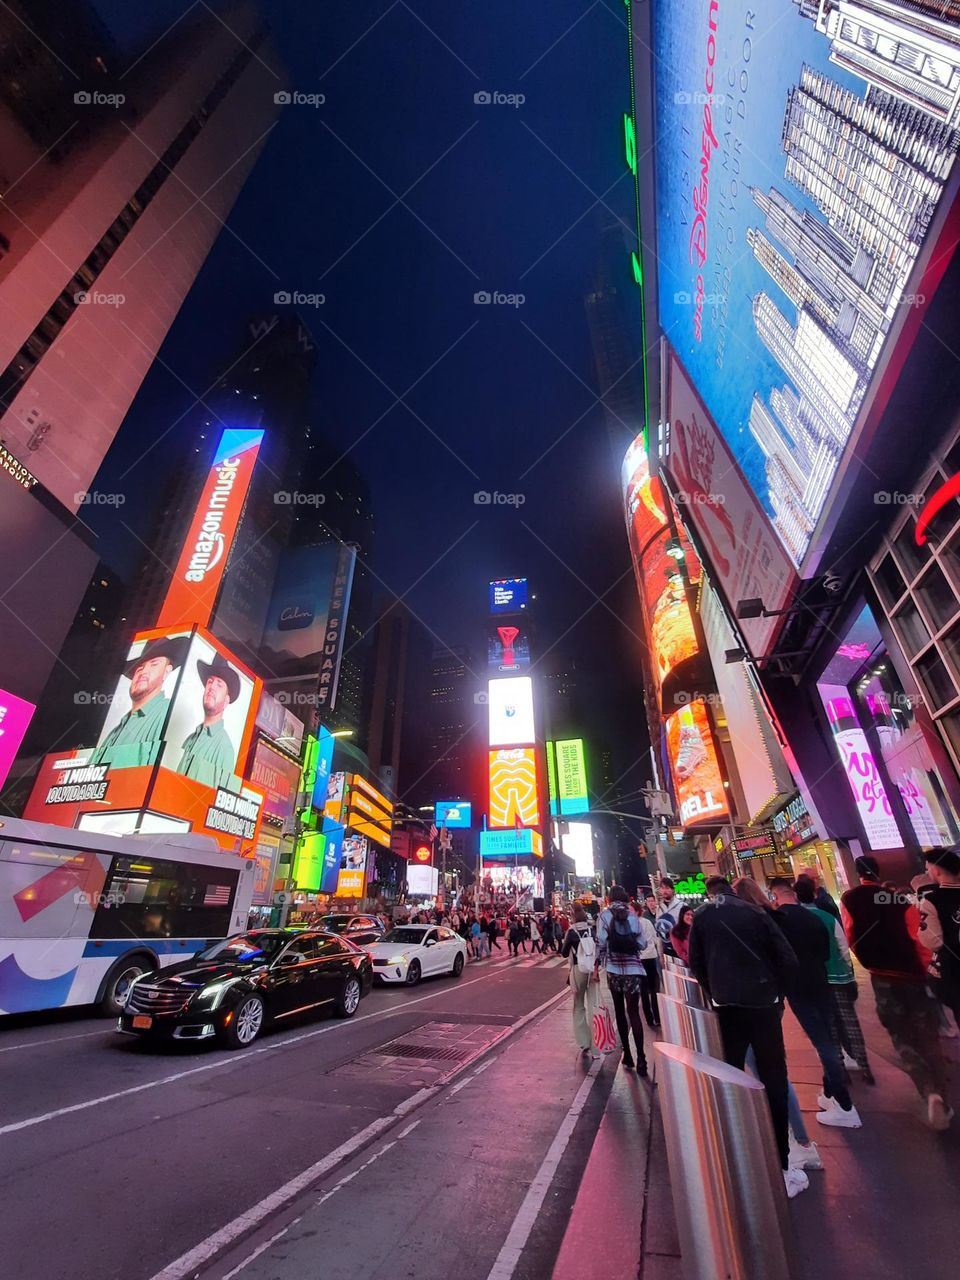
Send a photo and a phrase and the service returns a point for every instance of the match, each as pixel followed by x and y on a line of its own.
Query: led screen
pixel 508 648
pixel 695 768
pixel 510 707
pixel 455 814
pixel 508 595
pixel 513 788
pixel 571 776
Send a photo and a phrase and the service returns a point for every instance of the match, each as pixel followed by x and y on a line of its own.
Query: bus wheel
pixel 117 987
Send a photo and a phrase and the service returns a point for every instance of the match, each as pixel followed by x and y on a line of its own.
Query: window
pixel 303 948
pixel 146 897
pixel 325 948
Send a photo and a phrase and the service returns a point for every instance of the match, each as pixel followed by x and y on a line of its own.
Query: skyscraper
pixel 908 48
pixel 456 720
pixel 102 237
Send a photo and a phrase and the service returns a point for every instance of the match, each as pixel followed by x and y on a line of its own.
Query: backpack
pixel 621 940
pixel 586 951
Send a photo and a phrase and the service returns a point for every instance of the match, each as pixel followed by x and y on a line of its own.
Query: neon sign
pixel 948 490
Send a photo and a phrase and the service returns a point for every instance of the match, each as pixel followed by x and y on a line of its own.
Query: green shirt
pixel 208 755
pixel 137 739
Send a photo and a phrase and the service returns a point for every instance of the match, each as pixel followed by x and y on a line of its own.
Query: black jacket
pixel 811 947
pixel 739 955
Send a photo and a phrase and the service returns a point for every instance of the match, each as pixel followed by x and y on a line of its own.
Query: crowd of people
pixel 757 950
pixel 544 932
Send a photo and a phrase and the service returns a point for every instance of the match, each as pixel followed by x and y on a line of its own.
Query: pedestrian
pixel 842 980
pixel 493 934
pixel 744 963
pixel 680 934
pixel 515 937
pixel 882 929
pixel 650 982
pixel 621 938
pixel 650 906
pixel 808 995
pixel 559 931
pixel 534 935
pixel 667 913
pixel 940 925
pixel 548 932
pixel 579 944
pixel 475 937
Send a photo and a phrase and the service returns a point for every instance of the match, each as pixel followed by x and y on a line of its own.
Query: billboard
pixel 336 786
pixel 279 776
pixel 695 768
pixel 510 706
pixel 860 767
pixel 265 858
pixel 571 776
pixel 308 863
pixel 577 842
pixel 279 723
pixel 515 843
pixel 353 867
pixel 513 788
pixel 454 814
pixel 196 579
pixel 508 648
pixel 423 882
pixel 324 762
pixel 369 812
pixel 15 716
pixel 800 163
pixel 508 595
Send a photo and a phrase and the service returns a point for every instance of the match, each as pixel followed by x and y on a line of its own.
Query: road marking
pixel 37 1044
pixel 202 1253
pixel 526 1218
pixel 233 1061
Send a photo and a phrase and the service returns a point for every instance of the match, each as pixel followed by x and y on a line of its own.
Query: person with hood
pixel 580 935
pixel 622 937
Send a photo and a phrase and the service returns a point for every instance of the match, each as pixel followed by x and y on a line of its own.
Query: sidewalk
pixel 884 1207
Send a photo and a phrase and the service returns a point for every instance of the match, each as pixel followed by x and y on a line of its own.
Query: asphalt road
pixel 119 1161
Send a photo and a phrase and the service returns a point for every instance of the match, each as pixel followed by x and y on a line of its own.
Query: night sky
pixel 497 198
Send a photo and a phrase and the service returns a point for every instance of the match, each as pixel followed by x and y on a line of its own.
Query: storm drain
pixel 426 1055
pixel 403 1049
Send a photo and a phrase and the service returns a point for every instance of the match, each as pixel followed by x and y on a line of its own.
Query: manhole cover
pixel 423 1051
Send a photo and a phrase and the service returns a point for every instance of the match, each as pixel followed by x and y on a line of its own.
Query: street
pixel 121 1160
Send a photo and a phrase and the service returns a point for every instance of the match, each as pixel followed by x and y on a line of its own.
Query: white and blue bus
pixel 83 914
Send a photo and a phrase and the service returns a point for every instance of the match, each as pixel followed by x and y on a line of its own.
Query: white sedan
pixel 414 951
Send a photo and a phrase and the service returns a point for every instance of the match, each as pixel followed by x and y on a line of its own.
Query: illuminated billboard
pixel 508 595
pixel 353 867
pixel 279 776
pixel 308 864
pixel 196 579
pixel 177 732
pixel 860 767
pixel 701 796
pixel 571 776
pixel 510 707
pixel 801 158
pixel 516 843
pixel 508 648
pixel 369 812
pixel 578 845
pixel 513 788
pixel 454 814
pixel 15 716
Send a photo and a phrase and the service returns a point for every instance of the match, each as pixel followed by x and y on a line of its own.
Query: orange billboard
pixel 196 580
pixel 695 767
pixel 513 788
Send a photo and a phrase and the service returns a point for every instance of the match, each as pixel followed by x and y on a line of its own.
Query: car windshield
pixel 334 924
pixel 404 935
pixel 246 947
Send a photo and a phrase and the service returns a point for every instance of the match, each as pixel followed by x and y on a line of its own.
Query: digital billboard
pixel 265 870
pixel 515 843
pixel 510 707
pixel 508 595
pixel 353 867
pixel 571 776
pixel 454 814
pixel 860 767
pixel 15 716
pixel 801 157
pixel 513 788
pixel 196 579
pixel 308 864
pixel 333 808
pixel 577 843
pixel 695 768
pixel 279 776
pixel 508 649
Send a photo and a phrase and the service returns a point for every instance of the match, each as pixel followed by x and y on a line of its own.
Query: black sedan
pixel 235 987
pixel 357 928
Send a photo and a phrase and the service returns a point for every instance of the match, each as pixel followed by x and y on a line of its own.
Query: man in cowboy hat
pixel 208 754
pixel 135 740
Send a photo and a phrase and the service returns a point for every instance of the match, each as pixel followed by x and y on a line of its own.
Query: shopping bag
pixel 604 1036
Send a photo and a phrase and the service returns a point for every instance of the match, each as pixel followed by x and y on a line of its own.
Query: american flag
pixel 217 895
pixel 433 833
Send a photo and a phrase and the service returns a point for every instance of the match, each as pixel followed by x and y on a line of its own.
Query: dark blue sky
pixel 508 203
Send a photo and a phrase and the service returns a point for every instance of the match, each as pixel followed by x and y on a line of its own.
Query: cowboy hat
pixel 222 669
pixel 173 648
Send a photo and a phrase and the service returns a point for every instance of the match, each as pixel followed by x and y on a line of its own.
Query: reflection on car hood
pixel 200 973
pixel 390 948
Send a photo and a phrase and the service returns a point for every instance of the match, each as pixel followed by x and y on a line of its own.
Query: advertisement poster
pixel 695 768
pixel 353 867
pixel 510 707
pixel 513 788
pixel 801 156
pixel 572 777
pixel 265 858
pixel 279 777
pixel 508 595
pixel 508 648
pixel 15 716
pixel 455 814
pixel 869 794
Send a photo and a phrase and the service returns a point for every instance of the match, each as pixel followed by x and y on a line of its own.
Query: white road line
pixel 232 1061
pixel 38 1044
pixel 526 1218
pixel 201 1254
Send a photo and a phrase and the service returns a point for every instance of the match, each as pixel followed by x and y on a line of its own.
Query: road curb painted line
pixel 206 1252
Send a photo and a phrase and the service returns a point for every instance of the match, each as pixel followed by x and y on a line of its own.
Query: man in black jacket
pixel 745 964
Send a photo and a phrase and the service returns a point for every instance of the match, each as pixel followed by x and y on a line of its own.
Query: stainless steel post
pixel 727 1184
pixel 689 1027
pixel 684 988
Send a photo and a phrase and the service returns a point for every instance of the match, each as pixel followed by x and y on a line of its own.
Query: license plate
pixel 142 1022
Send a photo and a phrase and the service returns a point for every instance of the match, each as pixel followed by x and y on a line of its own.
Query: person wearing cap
pixel 883 931
pixel 136 738
pixel 208 754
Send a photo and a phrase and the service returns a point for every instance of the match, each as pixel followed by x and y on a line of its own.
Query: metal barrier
pixel 690 1027
pixel 728 1191
pixel 684 988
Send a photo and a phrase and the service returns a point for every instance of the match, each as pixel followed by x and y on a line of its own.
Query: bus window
pixel 147 897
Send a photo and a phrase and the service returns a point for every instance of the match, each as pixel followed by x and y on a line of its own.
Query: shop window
pixel 950 644
pixel 889 581
pixel 937 597
pixel 950 557
pixel 935 679
pixel 911 629
pixel 911 557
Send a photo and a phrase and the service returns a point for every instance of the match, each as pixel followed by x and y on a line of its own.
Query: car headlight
pixel 400 959
pixel 212 995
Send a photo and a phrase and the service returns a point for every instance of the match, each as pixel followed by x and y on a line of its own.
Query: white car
pixel 410 952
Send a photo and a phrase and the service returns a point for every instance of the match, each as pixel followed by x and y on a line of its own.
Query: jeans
pixel 626 1010
pixel 761 1030
pixel 814 1012
pixel 580 986
pixel 797 1126
pixel 911 1018
pixel 648 992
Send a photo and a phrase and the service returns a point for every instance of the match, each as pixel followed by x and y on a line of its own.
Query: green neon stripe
pixel 639 253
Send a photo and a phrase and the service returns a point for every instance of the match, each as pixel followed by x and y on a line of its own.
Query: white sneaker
pixel 939 1114
pixel 837 1118
pixel 825 1103
pixel 850 1063
pixel 807 1157
pixel 795 1181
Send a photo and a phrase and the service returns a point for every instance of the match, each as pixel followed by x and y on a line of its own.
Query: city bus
pixel 83 914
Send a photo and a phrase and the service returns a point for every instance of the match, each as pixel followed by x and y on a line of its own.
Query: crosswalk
pixel 525 960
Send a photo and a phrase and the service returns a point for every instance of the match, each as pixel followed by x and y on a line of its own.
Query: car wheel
pixel 413 973
pixel 346 1005
pixel 245 1025
pixel 458 965
pixel 117 989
